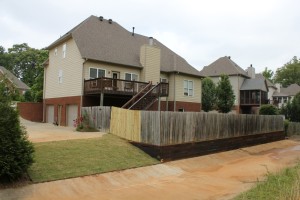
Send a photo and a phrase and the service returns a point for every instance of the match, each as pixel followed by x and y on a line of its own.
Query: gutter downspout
pixel 174 92
pixel 44 102
pixel 82 85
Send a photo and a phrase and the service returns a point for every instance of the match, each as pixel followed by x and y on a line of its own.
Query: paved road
pixel 44 132
pixel 215 176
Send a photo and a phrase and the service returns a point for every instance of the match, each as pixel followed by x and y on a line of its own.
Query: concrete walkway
pixel 44 132
pixel 215 176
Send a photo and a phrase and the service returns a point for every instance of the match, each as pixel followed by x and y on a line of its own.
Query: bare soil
pixel 216 176
pixel 44 132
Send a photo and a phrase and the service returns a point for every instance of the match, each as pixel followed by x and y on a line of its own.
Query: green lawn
pixel 284 186
pixel 73 158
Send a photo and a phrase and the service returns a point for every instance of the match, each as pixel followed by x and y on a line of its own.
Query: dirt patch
pixel 44 132
pixel 216 176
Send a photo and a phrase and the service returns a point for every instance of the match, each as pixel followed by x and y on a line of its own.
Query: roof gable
pixel 18 83
pixel 223 65
pixel 109 42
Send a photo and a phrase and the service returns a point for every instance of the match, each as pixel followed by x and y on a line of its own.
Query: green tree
pixel 26 64
pixel 208 94
pixel 289 73
pixel 295 109
pixel 16 152
pixel 268 109
pixel 268 74
pixel 225 95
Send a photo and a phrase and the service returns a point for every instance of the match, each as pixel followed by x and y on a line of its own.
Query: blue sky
pixel 264 33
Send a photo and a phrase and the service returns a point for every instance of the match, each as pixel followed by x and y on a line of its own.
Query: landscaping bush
pixel 268 110
pixel 16 152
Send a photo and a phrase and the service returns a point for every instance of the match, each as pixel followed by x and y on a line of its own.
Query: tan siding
pixel 109 68
pixel 71 67
pixel 150 59
pixel 179 89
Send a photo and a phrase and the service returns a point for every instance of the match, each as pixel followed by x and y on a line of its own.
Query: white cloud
pixel 262 33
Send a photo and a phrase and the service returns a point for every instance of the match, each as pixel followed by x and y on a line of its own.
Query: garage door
pixel 72 111
pixel 50 114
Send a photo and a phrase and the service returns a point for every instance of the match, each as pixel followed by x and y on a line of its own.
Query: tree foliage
pixel 208 94
pixel 16 152
pixel 292 109
pixel 225 95
pixel 26 64
pixel 268 74
pixel 268 109
pixel 289 73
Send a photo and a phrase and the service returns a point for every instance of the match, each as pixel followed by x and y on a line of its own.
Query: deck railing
pixel 112 86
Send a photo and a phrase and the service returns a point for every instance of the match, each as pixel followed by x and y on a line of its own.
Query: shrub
pixel 268 110
pixel 84 123
pixel 16 152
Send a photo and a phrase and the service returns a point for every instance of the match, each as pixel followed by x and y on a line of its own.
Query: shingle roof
pixel 223 65
pixel 269 83
pixel 18 84
pixel 102 41
pixel 254 84
pixel 291 90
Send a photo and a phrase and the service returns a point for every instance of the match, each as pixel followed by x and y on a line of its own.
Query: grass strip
pixel 74 158
pixel 284 185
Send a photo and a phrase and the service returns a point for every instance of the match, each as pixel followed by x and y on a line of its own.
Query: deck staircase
pixel 145 98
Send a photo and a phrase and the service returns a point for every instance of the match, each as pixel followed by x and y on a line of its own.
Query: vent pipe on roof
pixel 101 18
pixel 132 31
pixel 229 57
pixel 150 41
pixel 110 21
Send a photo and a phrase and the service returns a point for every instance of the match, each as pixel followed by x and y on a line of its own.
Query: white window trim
pixel 97 71
pixel 55 51
pixel 163 79
pixel 188 88
pixel 60 76
pixel 138 77
pixel 64 50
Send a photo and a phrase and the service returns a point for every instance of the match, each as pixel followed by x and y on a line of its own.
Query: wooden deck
pixel 118 87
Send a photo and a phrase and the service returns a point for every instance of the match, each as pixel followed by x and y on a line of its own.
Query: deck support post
pixel 101 98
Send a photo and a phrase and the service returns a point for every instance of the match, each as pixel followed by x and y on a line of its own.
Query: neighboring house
pixel 99 62
pixel 13 82
pixel 282 95
pixel 250 91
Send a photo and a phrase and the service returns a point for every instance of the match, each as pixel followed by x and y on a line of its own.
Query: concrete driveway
pixel 44 132
pixel 215 176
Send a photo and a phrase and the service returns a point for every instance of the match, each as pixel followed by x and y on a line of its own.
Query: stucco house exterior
pixel 250 91
pixel 99 62
pixel 12 81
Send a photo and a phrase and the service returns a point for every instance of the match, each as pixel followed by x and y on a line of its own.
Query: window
pixel 60 76
pixel 163 80
pixel 181 110
pixel 188 88
pixel 55 51
pixel 131 77
pixel 64 50
pixel 96 73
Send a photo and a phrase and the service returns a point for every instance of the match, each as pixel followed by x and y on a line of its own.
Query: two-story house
pixel 98 62
pixel 250 91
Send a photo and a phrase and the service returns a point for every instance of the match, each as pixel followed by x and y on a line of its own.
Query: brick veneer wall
pixel 31 111
pixel 63 101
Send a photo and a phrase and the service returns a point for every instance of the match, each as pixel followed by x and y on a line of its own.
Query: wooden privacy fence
pixel 99 117
pixel 170 128
pixel 293 128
